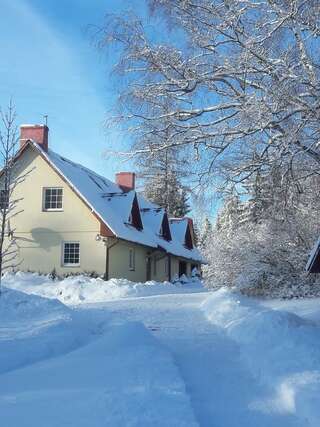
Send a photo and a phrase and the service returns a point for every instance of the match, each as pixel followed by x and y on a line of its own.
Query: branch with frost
pixel 244 69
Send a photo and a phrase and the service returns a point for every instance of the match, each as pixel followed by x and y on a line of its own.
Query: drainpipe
pixel 169 267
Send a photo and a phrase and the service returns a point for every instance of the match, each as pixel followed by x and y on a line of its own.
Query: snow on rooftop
pixel 30 125
pixel 113 207
pixel 153 218
pixel 179 228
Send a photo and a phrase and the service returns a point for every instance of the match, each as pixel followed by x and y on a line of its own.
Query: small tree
pixel 8 183
pixel 164 171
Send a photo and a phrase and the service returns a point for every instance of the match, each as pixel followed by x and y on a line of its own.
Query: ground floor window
pixel 182 268
pixel 132 259
pixel 71 254
pixel 155 266
pixel 167 267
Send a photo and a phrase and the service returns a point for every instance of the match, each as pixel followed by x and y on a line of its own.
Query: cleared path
pixel 221 389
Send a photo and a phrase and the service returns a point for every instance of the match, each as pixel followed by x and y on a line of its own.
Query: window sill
pixel 52 210
pixel 70 265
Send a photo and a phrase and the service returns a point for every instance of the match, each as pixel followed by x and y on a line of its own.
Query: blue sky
pixel 50 66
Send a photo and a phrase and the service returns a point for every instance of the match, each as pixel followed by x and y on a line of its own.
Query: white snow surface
pixel 57 370
pixel 280 348
pixel 81 289
pixel 154 355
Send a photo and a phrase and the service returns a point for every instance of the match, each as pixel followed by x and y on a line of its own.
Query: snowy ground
pixel 155 354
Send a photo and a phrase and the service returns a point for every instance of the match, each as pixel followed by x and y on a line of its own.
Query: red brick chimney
pixel 37 133
pixel 126 180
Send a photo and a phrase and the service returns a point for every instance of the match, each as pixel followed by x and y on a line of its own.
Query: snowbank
pixel 281 349
pixel 34 328
pixel 123 378
pixel 17 306
pixel 82 289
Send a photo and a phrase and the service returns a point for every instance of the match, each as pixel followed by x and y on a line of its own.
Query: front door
pixel 182 268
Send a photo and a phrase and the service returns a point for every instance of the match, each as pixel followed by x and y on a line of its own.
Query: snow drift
pixel 71 374
pixel 281 349
pixel 34 328
pixel 81 289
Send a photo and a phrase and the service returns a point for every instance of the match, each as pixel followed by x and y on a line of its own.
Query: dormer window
pixel 52 199
pixel 165 228
pixel 135 217
pixel 188 238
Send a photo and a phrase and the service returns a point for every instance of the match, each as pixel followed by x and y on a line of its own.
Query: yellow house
pixel 74 220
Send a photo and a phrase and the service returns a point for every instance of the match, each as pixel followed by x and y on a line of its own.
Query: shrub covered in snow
pixel 260 261
pixel 261 244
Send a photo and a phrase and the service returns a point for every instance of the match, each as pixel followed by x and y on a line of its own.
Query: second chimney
pixel 36 133
pixel 126 180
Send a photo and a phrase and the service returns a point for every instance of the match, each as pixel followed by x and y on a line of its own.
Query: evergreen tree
pixel 205 232
pixel 163 167
pixel 196 233
pixel 165 189
pixel 231 215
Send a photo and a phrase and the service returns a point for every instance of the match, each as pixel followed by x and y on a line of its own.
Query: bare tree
pixel 242 79
pixel 8 183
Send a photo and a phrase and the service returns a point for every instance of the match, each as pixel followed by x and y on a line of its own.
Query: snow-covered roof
pixel 113 206
pixel 152 217
pixel 179 228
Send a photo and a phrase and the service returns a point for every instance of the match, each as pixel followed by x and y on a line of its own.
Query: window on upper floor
pixel 71 254
pixel 52 199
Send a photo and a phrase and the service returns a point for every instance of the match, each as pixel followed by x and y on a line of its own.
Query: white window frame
pixel 132 259
pixel 63 250
pixel 44 209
